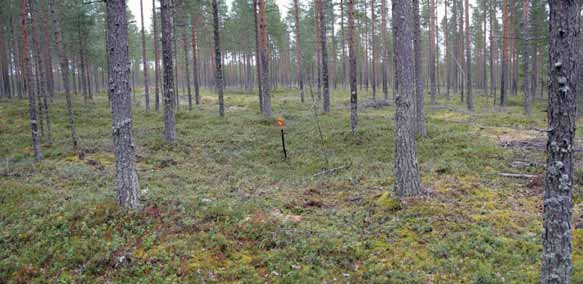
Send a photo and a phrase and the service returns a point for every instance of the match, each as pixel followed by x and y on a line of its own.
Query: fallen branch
pixel 331 171
pixel 516 175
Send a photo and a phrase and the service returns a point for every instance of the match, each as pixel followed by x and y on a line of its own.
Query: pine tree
pixel 119 91
pixel 168 77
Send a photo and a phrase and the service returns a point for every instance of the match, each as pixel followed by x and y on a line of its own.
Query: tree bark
pixel 30 83
pixel 258 55
pixel 145 60
pixel 385 55
pixel 526 58
pixel 352 55
pixel 469 97
pixel 557 247
pixel 168 62
pixel 406 168
pixel 119 90
pixel 504 66
pixel 324 52
pixel 195 61
pixel 418 106
pixel 374 50
pixel 265 84
pixel 156 58
pixel 432 50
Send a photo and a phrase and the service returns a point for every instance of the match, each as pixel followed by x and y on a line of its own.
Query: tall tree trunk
pixel 469 97
pixel 64 62
pixel 195 61
pixel 30 83
pixel 352 55
pixel 374 50
pixel 324 51
pixel 145 60
pixel 40 74
pixel 447 52
pixel 299 55
pixel 258 55
pixel 526 57
pixel 432 50
pixel 342 33
pixel 183 22
pixel 418 106
pixel 265 84
pixel 406 168
pixel 504 66
pixel 493 54
pixel 558 204
pixel 156 57
pixel 218 59
pixel 168 62
pixel 119 90
pixel 395 69
pixel 385 55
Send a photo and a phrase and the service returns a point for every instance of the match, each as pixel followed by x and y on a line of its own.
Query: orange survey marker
pixel 280 122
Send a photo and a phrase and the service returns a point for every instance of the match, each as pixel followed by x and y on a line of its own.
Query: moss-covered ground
pixel 222 205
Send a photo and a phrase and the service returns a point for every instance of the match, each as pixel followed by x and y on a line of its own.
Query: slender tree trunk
pixel 258 55
pixel 432 50
pixel 167 61
pixel 469 97
pixel 145 59
pixel 40 74
pixel 493 54
pixel 352 55
pixel 324 51
pixel 395 69
pixel 218 61
pixel 385 55
pixel 30 83
pixel 119 90
pixel 374 50
pixel 342 33
pixel 264 60
pixel 526 57
pixel 418 105
pixel 195 61
pixel 504 66
pixel 558 204
pixel 406 168
pixel 447 52
pixel 156 57
pixel 299 50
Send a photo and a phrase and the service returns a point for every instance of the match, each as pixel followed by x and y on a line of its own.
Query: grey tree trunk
pixel 352 59
pixel 299 50
pixel 195 62
pixel 324 52
pixel 526 58
pixel 64 62
pixel 432 51
pixel 218 62
pixel 563 35
pixel 156 57
pixel 374 49
pixel 385 55
pixel 265 84
pixel 183 22
pixel 168 62
pixel 145 60
pixel 406 168
pixel 418 106
pixel 121 104
pixel 258 55
pixel 469 97
pixel 30 83
pixel 42 89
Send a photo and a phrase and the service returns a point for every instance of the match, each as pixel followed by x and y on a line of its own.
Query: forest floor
pixel 222 205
